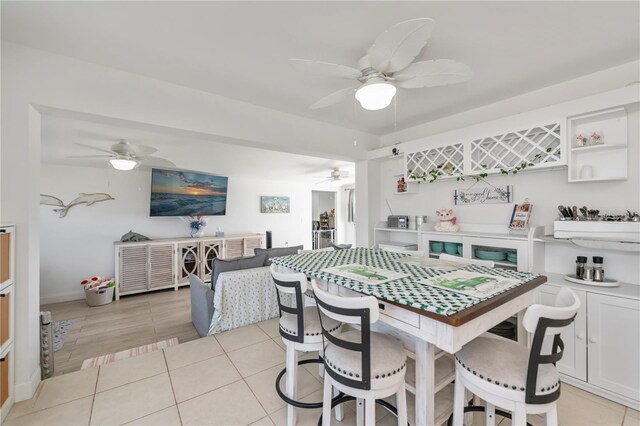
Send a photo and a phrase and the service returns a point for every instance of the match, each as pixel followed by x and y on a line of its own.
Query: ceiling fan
pixel 124 155
pixel 387 65
pixel 337 177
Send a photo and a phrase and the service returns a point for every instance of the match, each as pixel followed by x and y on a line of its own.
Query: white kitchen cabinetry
pixel 474 237
pixel 602 346
pixel 154 265
pixel 614 344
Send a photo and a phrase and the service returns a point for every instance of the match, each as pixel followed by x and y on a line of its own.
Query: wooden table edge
pixel 478 309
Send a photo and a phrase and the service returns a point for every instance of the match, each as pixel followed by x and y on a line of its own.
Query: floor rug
pixel 129 353
pixel 60 331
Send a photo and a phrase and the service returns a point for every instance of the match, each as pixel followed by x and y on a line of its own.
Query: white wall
pixel 81 244
pixel 32 80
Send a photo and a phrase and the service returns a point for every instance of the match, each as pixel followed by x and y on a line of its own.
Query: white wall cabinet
pixel 602 346
pixel 160 264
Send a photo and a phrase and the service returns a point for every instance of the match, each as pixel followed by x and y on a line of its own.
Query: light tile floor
pixel 226 380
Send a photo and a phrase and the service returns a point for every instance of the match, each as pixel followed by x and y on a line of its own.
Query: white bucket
pixel 102 297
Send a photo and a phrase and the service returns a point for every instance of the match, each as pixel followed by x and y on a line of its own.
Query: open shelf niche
pixel 598 162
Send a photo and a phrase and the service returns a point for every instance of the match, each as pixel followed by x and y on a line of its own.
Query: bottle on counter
pixel 598 272
pixel 580 264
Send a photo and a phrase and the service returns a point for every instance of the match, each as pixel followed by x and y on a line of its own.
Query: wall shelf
pixel 602 162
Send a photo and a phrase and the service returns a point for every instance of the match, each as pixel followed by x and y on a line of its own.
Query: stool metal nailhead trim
pixel 506 385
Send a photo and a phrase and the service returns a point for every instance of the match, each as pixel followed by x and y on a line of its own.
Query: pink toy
pixel 447 221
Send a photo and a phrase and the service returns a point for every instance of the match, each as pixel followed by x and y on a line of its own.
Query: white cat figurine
pixel 447 221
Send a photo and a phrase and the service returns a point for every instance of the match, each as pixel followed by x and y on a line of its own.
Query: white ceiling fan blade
pixel 143 150
pixel 151 161
pixel 95 148
pixel 440 72
pixel 90 156
pixel 398 46
pixel 333 98
pixel 325 69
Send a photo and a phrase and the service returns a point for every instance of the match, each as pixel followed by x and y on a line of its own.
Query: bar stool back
pixel 506 374
pixel 301 331
pixel 360 363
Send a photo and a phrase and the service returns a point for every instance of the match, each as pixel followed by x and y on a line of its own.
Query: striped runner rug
pixel 128 353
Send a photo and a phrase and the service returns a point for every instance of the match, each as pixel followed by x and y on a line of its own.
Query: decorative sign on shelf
pixel 483 195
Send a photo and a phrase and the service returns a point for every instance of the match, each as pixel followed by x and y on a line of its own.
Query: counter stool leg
pixel 401 402
pixel 551 417
pixel 326 403
pixel 519 415
pixel 458 401
pixel 490 412
pixel 359 412
pixel 339 412
pixel 370 411
pixel 292 365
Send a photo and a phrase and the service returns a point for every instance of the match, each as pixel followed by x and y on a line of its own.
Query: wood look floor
pixel 127 323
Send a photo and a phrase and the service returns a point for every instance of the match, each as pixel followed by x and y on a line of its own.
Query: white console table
pixel 167 263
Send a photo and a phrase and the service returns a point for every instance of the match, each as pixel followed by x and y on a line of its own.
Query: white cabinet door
pixel 161 261
pixel 574 356
pixel 614 344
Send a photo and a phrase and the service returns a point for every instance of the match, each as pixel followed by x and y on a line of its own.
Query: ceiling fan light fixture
pixel 375 95
pixel 123 163
pixel 336 182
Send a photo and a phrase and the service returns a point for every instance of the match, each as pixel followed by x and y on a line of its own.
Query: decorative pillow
pixel 340 246
pixel 237 264
pixel 277 251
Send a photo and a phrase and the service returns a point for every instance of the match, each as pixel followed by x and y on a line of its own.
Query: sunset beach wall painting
pixel 184 193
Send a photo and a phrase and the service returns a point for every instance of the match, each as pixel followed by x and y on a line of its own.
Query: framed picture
pixel 271 204
pixel 520 216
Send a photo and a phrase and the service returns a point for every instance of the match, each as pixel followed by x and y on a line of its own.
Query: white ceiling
pixel 61 132
pixel 240 49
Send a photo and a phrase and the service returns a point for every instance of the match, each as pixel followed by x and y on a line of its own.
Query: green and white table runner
pixel 405 291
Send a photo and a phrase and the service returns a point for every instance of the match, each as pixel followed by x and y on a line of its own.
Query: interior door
pixel 614 344
pixel 574 357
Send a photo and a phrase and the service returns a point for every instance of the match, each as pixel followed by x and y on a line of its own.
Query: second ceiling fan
pixel 387 65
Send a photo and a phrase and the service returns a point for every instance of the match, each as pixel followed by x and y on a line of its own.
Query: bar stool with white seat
pixel 363 364
pixel 467 261
pixel 506 374
pixel 294 317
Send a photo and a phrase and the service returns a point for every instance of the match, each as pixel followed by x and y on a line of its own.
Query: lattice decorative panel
pixel 450 159
pixel 188 261
pixel 212 250
pixel 538 145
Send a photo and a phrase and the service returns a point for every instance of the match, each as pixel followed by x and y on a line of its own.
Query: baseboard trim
pixel 620 399
pixel 62 297
pixel 26 390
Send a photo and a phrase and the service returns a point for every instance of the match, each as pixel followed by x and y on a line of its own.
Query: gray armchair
pixel 201 305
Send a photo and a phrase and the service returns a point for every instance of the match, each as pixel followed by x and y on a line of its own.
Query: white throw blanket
pixel 242 298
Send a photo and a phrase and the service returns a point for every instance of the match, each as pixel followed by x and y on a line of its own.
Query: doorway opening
pixel 323 225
